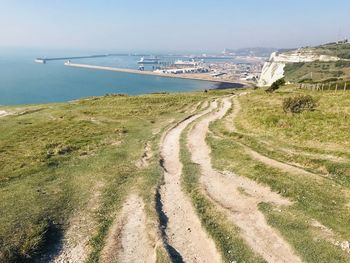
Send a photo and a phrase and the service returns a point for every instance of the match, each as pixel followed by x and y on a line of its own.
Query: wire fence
pixel 335 86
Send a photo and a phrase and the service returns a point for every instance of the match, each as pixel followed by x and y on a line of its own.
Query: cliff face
pixel 272 71
pixel 274 68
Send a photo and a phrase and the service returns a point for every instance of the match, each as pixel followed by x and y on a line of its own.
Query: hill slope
pixel 312 64
pixel 219 175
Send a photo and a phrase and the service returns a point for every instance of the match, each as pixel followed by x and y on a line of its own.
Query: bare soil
pixel 183 230
pixel 239 196
pixel 146 156
pixel 127 240
pixel 4 113
pixel 74 248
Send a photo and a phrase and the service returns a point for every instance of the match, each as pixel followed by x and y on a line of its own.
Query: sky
pixel 177 25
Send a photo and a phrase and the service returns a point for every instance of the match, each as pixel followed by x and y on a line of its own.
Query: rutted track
pixel 262 158
pixel 74 247
pixel 185 239
pixel 239 197
pixel 127 240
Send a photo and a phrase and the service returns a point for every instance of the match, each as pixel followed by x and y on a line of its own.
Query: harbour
pixel 51 79
pixel 25 82
pixel 224 67
pixel 158 73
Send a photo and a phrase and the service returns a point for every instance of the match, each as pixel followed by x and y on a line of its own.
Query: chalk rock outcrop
pixel 274 68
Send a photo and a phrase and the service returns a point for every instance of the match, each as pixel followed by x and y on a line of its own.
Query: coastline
pixel 192 76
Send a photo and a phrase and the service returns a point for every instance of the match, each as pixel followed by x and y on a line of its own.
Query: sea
pixel 22 81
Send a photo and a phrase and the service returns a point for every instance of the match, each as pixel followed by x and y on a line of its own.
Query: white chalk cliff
pixel 274 68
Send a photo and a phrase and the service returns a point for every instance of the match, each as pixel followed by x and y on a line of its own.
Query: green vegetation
pixel 339 50
pixel 315 140
pixel 317 71
pixel 60 159
pixel 299 104
pixel 276 85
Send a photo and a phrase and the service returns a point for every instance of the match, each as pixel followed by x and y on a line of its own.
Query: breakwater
pixel 44 60
pixel 200 76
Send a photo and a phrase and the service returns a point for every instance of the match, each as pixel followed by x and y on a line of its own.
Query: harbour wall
pixel 202 77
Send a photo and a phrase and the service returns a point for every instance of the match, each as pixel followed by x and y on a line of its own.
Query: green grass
pixel 342 51
pixel 55 157
pixel 321 71
pixel 323 131
pixel 53 160
pixel 296 229
pixel 263 126
pixel 316 71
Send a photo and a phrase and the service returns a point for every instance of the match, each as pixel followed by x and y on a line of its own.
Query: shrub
pixel 299 104
pixel 306 80
pixel 276 85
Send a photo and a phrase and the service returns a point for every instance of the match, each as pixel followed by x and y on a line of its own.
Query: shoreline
pixel 191 76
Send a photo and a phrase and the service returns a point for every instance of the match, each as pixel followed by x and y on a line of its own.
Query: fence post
pixel 322 86
pixel 345 86
pixel 336 87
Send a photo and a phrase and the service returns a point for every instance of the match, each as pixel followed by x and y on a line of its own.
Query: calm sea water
pixel 24 82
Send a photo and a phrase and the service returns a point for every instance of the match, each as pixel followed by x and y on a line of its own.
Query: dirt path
pixel 74 246
pixel 277 164
pixel 240 197
pixel 185 238
pixel 229 125
pixel 127 241
pixel 229 122
pixel 146 156
pixel 4 113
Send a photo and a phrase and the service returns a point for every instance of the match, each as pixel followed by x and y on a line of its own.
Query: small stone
pixel 345 245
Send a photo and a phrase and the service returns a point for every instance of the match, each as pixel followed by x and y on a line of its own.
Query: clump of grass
pixel 299 104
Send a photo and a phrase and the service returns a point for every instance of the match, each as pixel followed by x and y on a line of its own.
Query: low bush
pixel 299 104
pixel 276 85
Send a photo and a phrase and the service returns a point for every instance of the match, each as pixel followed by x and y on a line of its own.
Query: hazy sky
pixel 171 25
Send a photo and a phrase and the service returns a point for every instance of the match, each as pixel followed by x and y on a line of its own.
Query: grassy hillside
pixel 338 50
pixel 317 71
pixel 321 71
pixel 316 142
pixel 76 163
pixel 57 160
